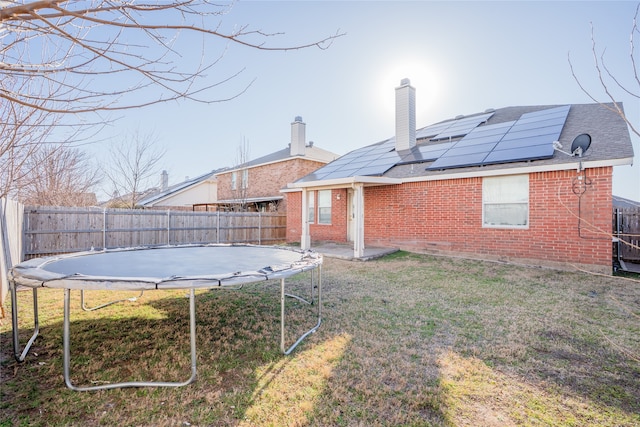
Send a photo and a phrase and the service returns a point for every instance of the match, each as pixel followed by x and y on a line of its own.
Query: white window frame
pixel 324 207
pixel 234 180
pixel 505 202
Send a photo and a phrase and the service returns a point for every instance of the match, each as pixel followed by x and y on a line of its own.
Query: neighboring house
pixel 621 202
pixel 492 185
pixel 255 185
pixel 199 193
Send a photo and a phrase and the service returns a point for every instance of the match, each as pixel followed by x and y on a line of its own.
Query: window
pixel 233 180
pixel 245 178
pixel 324 207
pixel 311 204
pixel 505 201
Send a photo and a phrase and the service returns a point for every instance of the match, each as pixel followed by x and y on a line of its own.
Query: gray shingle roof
pixel 158 194
pixel 311 153
pixel 611 143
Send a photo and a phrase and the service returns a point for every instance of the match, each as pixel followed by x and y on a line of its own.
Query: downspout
pixel 617 239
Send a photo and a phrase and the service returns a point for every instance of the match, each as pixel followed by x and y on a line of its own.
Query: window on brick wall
pixel 311 204
pixel 234 180
pixel 324 207
pixel 505 201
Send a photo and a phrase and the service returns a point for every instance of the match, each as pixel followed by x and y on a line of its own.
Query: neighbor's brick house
pixel 255 185
pixel 492 186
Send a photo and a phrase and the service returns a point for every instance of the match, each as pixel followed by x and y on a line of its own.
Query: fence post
pixel 218 228
pixel 259 228
pixel 104 228
pixel 168 227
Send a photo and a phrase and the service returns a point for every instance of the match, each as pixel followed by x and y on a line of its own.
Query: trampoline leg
pixel 67 351
pixel 14 323
pixel 299 298
pixel 282 315
pixel 85 308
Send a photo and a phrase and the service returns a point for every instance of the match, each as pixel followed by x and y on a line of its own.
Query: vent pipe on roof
pixel 298 137
pixel 405 116
pixel 164 181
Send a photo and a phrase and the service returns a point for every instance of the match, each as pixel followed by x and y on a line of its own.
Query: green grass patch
pixel 406 340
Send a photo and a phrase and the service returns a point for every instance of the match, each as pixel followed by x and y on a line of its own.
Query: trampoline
pixel 169 267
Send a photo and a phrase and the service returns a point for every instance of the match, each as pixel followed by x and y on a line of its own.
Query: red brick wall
pixel 446 217
pixel 267 180
pixel 294 219
pixel 334 232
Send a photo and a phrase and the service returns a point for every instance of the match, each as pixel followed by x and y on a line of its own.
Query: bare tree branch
pixel 608 75
pixel 60 59
pixel 130 46
pixel 133 161
pixel 59 176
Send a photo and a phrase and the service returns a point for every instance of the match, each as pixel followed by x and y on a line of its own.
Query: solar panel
pixel 371 160
pixel 432 130
pixel 520 154
pixel 461 127
pixel 528 138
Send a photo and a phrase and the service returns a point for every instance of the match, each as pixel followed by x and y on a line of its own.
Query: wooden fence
pixel 60 230
pixel 626 227
pixel 11 216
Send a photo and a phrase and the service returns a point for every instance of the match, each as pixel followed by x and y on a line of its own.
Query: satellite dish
pixel 580 144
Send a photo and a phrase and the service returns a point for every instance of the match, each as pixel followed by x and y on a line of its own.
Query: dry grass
pixel 407 340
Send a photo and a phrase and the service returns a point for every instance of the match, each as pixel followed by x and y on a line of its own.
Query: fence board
pixel 61 230
pixel 627 229
pixel 11 218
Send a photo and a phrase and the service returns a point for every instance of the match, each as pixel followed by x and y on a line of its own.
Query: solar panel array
pixel 371 160
pixel 452 128
pixel 530 137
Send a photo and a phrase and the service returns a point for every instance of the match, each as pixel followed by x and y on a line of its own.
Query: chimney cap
pixel 405 82
pixel 298 119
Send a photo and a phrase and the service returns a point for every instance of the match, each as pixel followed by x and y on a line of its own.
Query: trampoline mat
pixel 180 266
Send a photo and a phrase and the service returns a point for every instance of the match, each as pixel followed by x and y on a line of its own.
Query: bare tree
pixel 132 47
pixel 609 81
pixel 60 59
pixel 28 134
pixel 133 161
pixel 59 176
pixel 240 177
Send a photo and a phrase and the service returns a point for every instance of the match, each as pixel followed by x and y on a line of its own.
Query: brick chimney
pixel 298 137
pixel 405 116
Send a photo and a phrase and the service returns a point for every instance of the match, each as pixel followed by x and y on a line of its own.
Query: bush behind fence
pixel 50 231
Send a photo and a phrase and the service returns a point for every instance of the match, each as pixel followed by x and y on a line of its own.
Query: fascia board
pixel 523 170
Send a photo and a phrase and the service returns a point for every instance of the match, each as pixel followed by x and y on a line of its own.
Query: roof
pixel 156 195
pixel 311 153
pixel 250 200
pixel 610 146
pixel 621 202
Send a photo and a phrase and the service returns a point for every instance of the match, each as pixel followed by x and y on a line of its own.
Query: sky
pixel 462 58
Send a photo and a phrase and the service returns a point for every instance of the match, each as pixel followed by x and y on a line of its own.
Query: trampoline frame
pixel 21 355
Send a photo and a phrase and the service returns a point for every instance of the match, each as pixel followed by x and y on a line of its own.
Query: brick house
pixel 255 185
pixel 514 184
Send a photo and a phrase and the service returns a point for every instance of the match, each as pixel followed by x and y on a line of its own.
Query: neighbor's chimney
pixel 298 137
pixel 405 116
pixel 164 181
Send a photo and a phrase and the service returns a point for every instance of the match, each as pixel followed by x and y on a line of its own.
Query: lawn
pixel 408 339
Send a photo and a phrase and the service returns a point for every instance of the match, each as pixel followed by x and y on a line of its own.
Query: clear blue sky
pixel 462 58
